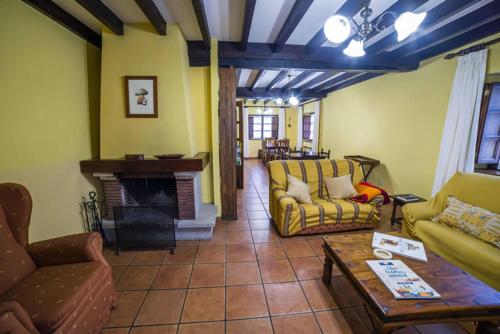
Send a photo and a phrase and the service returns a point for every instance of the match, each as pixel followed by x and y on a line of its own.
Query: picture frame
pixel 141 96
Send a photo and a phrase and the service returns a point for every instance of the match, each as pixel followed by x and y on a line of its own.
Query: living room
pixel 242 166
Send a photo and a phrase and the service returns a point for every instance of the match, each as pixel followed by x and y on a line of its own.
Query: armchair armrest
pixel 74 248
pixel 14 319
pixel 283 198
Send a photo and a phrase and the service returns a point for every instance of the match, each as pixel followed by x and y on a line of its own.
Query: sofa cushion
pixel 52 293
pixel 15 262
pixel 340 187
pixel 465 251
pixel 298 190
pixel 472 220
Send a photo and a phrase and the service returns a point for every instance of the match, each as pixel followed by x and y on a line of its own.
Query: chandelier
pixel 338 28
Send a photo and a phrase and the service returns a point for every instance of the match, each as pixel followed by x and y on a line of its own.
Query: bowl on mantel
pixel 169 156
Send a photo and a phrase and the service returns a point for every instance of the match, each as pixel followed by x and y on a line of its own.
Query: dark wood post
pixel 227 142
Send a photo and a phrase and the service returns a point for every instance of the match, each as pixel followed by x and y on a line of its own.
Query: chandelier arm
pixel 377 25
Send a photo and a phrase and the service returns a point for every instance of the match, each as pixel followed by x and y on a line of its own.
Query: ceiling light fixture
pixel 279 101
pixel 337 28
pixel 292 99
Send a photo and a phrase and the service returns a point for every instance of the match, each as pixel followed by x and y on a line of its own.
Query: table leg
pixel 327 270
pixel 393 216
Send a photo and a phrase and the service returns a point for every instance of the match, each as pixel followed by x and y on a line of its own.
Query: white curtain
pixel 460 127
pixel 317 111
pixel 246 149
pixel 281 123
pixel 299 127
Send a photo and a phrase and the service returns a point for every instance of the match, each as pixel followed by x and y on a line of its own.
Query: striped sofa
pixel 323 215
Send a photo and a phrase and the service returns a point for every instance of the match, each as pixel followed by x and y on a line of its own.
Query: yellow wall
pixel 141 51
pixel 49 100
pixel 200 94
pixel 398 119
pixel 292 119
pixel 184 100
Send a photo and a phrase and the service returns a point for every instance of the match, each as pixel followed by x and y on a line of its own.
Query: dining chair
pixel 324 154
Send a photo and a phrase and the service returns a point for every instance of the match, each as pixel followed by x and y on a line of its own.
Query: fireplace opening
pixel 146 217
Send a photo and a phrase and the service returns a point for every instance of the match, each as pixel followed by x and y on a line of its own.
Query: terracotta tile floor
pixel 247 279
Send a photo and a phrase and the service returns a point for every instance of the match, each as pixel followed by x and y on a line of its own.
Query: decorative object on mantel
pixel 169 156
pixel 134 156
pixel 141 96
pixel 337 28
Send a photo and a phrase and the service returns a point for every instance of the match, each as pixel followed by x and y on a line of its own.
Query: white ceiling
pixel 225 20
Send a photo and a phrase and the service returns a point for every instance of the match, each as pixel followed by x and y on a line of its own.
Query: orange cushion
pixel 370 192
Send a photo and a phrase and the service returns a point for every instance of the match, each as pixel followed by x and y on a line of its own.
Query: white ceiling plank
pixel 73 8
pixel 225 18
pixel 322 82
pixel 244 75
pixel 165 13
pixel 291 74
pixel 126 10
pixel 183 14
pixel 266 78
pixel 309 78
pixel 313 20
pixel 268 18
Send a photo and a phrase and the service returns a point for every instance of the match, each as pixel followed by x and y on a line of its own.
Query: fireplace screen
pixel 145 227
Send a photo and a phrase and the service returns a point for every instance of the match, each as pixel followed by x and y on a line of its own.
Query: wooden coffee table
pixel 464 298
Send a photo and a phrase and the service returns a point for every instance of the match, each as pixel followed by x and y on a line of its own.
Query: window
pixel 262 126
pixel 308 126
pixel 488 138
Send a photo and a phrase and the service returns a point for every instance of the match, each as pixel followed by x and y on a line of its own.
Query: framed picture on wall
pixel 141 96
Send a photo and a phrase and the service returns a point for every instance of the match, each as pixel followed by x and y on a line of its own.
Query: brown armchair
pixel 61 285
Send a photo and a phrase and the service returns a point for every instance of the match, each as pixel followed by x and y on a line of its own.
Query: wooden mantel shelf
pixel 193 164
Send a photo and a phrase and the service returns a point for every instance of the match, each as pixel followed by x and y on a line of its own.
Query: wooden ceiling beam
pixel 262 93
pixel 154 16
pixel 353 81
pixel 473 35
pixel 298 79
pixel 260 56
pixel 319 79
pixel 103 14
pixel 336 80
pixel 348 9
pixel 256 79
pixel 201 17
pixel 247 23
pixel 296 14
pixel 280 76
pixel 65 19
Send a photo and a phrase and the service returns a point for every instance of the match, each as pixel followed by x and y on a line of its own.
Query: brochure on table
pixel 405 247
pixel 401 280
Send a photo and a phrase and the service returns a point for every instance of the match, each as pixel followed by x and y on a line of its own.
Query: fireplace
pixel 136 183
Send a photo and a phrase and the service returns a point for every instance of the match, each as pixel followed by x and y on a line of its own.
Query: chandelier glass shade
pixel 337 28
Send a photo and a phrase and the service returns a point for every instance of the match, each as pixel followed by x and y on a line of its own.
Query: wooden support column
pixel 227 142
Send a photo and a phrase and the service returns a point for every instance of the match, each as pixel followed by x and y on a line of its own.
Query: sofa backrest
pixel 312 172
pixel 477 189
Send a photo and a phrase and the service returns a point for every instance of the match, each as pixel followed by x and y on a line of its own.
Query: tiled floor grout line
pixel 187 289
